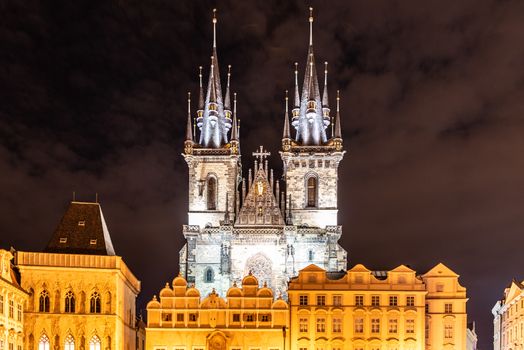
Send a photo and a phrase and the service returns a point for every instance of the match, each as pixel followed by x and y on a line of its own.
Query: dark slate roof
pixel 82 230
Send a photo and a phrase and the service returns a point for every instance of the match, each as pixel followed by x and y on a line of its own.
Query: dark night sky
pixel 92 99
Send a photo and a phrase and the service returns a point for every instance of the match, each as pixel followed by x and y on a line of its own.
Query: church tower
pixel 312 157
pixel 213 158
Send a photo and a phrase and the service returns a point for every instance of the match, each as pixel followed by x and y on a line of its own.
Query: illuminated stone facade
pixel 239 224
pixel 81 295
pixel 12 301
pixel 383 310
pixel 508 321
pixel 248 317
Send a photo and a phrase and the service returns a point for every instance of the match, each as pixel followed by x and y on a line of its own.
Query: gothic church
pixel 256 225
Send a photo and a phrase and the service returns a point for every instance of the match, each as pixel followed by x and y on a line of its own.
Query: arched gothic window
pixel 69 343
pixel 94 343
pixel 94 304
pixel 211 193
pixel 208 275
pixel 43 343
pixel 312 185
pixel 311 255
pixel 70 302
pixel 43 302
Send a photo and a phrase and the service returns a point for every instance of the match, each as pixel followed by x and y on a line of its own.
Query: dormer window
pixel 63 239
pixel 81 223
pixel 92 242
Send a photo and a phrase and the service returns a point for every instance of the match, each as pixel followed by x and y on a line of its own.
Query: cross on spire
pixel 261 154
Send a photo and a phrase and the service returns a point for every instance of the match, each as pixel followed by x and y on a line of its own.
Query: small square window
pixel 92 242
pixel 81 223
pixel 63 239
pixel 180 317
pixel 236 317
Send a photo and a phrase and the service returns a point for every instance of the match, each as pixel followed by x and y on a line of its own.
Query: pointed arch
pixel 209 275
pixel 311 184
pixel 95 303
pixel 70 302
pixel 94 343
pixel 43 342
pixel 212 191
pixel 43 301
pixel 69 342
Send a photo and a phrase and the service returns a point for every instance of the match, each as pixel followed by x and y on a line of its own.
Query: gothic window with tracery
pixel 208 275
pixel 94 303
pixel 43 343
pixel 311 192
pixel 211 193
pixel 69 343
pixel 43 302
pixel 94 343
pixel 70 302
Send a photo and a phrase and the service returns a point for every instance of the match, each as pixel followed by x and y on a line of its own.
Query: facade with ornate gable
pixel 508 318
pixel 239 224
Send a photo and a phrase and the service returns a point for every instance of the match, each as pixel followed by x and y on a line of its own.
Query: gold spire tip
pixel 214 15
pixel 311 14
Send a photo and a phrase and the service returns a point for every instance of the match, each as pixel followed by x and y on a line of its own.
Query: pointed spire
pixel 227 99
pixel 297 94
pixel 311 26
pixel 189 132
pixel 234 131
pixel 286 134
pixel 325 101
pixel 201 93
pixel 212 86
pixel 338 128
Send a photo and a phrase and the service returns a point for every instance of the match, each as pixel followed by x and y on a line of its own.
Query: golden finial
pixel 189 103
pixel 325 73
pixel 338 100
pixel 200 75
pixel 229 71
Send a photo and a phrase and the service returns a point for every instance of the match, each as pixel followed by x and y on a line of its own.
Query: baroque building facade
pixel 238 225
pixel 508 318
pixel 248 317
pixel 12 301
pixel 81 295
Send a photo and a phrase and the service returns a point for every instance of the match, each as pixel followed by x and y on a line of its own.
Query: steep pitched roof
pixel 260 206
pixel 440 270
pixel 82 230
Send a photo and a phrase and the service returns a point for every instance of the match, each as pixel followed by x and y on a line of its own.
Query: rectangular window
pixel 448 308
pixel 393 300
pixel 337 325
pixel 393 325
pixel 426 308
pixel 321 324
pixel 410 300
pixel 250 318
pixel 359 300
pixel 167 317
pixel 321 300
pixel 92 242
pixel 375 325
pixel 337 300
pixel 375 300
pixel 11 346
pixel 180 317
pixel 359 325
pixel 236 317
pixel 19 312
pixel 264 318
pixel 410 326
pixel 303 325
pixel 11 309
pixel 303 300
pixel 63 239
pixel 302 348
pixel 192 317
pixel 448 331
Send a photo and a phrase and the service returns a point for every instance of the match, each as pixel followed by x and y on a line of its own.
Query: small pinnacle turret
pixel 188 144
pixel 296 105
pixel 286 135
pixel 337 138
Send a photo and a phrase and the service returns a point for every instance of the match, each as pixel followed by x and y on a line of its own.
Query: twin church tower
pixel 240 225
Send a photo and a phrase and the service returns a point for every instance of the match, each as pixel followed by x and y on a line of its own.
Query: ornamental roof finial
pixel 338 128
pixel 189 132
pixel 310 26
pixel 325 100
pixel 286 134
pixel 227 99
pixel 214 28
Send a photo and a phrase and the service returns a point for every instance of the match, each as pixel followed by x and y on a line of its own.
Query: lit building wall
pixel 508 321
pixel 248 317
pixel 85 301
pixel 12 301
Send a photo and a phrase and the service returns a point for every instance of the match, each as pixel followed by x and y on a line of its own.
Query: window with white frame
pixel 410 300
pixel 303 325
pixel 69 343
pixel 337 300
pixel 359 325
pixel 375 325
pixel 337 325
pixel 410 326
pixel 321 300
pixel 375 300
pixel 359 300
pixel 94 343
pixel 448 308
pixel 448 331
pixel 393 325
pixel 303 300
pixel 43 343
pixel 321 324
pixel 393 300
